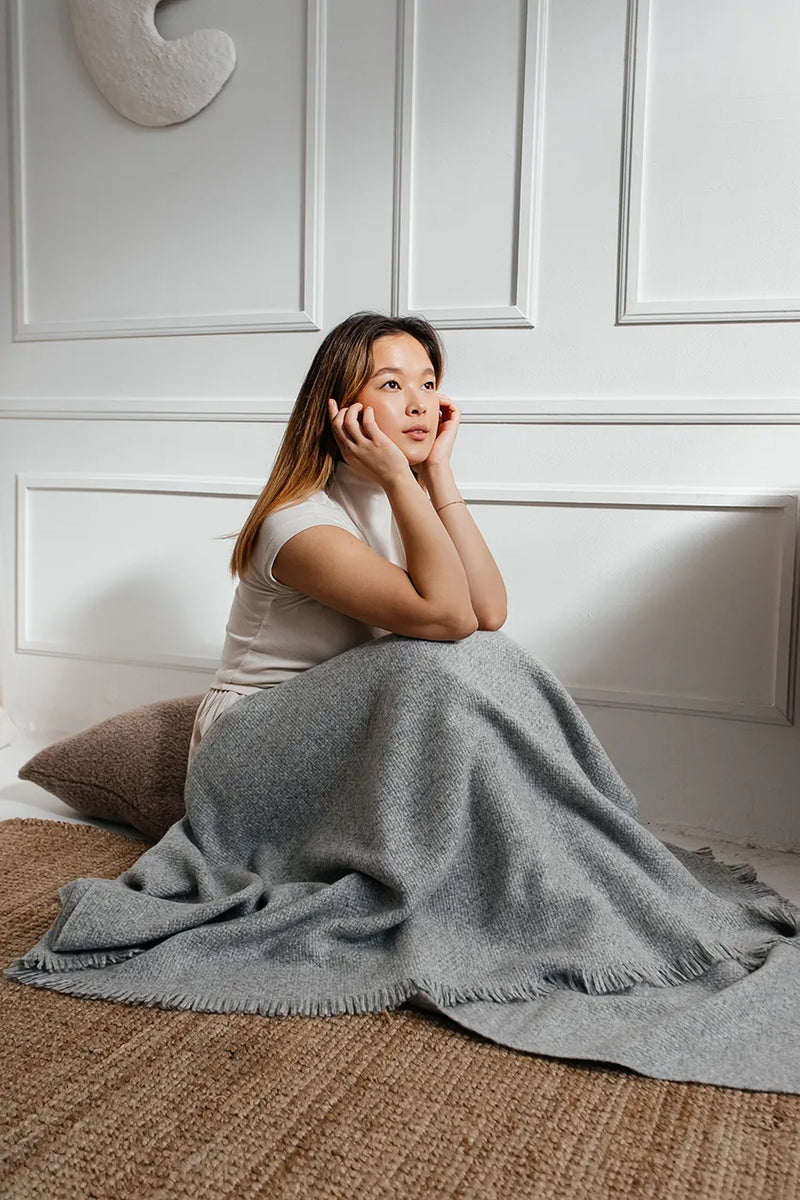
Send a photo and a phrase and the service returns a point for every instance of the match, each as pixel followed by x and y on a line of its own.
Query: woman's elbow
pixel 475 621
pixel 492 621
pixel 457 630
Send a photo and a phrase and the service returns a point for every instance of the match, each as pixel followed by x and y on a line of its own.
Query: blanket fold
pixel 432 823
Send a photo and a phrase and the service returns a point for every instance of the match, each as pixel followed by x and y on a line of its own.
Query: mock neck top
pixel 368 507
pixel 274 631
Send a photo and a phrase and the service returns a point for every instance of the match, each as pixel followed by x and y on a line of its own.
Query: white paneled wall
pixel 193 221
pixel 712 129
pixel 93 536
pixel 468 168
pixel 648 600
pixel 594 199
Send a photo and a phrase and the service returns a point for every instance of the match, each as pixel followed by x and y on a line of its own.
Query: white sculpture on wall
pixel 149 80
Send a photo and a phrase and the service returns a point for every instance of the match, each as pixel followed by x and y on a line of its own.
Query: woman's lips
pixel 418 435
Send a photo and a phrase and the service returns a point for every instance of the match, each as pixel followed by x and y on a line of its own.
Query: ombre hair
pixel 308 453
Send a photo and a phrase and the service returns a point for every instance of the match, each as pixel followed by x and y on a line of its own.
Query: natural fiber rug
pixel 106 1101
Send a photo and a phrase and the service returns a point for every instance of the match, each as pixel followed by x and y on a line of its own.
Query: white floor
pixel 19 798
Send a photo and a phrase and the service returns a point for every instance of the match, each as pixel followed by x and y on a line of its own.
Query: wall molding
pixel 170 485
pixel 500 410
pixel 528 204
pixel 631 310
pixel 779 711
pixel 308 317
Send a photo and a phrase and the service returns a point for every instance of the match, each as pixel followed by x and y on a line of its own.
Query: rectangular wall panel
pixel 670 601
pixel 711 174
pixel 211 224
pixel 679 601
pixel 126 570
pixel 469 115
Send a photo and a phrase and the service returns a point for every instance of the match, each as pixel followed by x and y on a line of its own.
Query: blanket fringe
pixel 601 981
pixel 46 960
pixel 45 969
pixel 765 901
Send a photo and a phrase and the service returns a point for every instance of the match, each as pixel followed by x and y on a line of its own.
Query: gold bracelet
pixel 451 502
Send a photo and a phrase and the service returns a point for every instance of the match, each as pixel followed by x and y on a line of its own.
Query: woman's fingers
pixel 339 433
pixel 448 411
pixel 335 414
pixel 368 419
pixel 351 423
pixel 346 423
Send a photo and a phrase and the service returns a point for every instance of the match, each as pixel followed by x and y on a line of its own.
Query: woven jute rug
pixel 102 1101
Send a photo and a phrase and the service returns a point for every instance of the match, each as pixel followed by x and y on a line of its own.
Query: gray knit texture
pixel 433 823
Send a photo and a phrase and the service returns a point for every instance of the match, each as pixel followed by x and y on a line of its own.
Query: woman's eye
pixel 431 385
pixel 390 383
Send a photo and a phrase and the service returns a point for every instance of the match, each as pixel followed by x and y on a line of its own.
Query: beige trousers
pixel 213 705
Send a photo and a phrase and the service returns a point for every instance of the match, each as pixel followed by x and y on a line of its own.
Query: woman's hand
pixel 442 448
pixel 364 446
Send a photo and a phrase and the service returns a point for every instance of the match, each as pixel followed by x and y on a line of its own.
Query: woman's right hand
pixel 364 446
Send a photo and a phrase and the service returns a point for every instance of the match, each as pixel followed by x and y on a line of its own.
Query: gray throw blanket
pixel 435 823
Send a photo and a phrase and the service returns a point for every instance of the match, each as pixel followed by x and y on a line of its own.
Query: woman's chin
pixel 416 455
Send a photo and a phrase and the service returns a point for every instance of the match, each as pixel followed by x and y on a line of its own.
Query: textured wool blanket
pixel 435 823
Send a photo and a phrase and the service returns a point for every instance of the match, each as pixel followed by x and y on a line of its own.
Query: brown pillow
pixel 130 768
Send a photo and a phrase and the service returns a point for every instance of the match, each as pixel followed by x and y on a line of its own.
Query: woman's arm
pixel 434 567
pixel 430 599
pixel 487 590
pixel 486 587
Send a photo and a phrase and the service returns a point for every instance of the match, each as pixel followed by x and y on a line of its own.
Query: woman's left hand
pixel 449 419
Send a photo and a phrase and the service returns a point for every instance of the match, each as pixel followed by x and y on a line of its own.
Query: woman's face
pixel 402 394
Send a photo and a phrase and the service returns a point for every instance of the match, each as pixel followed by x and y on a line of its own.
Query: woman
pixel 360 530
pixel 419 813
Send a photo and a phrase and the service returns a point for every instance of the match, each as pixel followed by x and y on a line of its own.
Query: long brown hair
pixel 308 453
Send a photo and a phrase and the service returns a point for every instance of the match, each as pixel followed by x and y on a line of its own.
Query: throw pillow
pixel 130 768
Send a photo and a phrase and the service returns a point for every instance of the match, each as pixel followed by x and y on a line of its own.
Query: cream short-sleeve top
pixel 274 631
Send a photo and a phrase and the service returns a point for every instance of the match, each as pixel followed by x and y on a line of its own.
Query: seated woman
pixel 420 813
pixel 360 529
